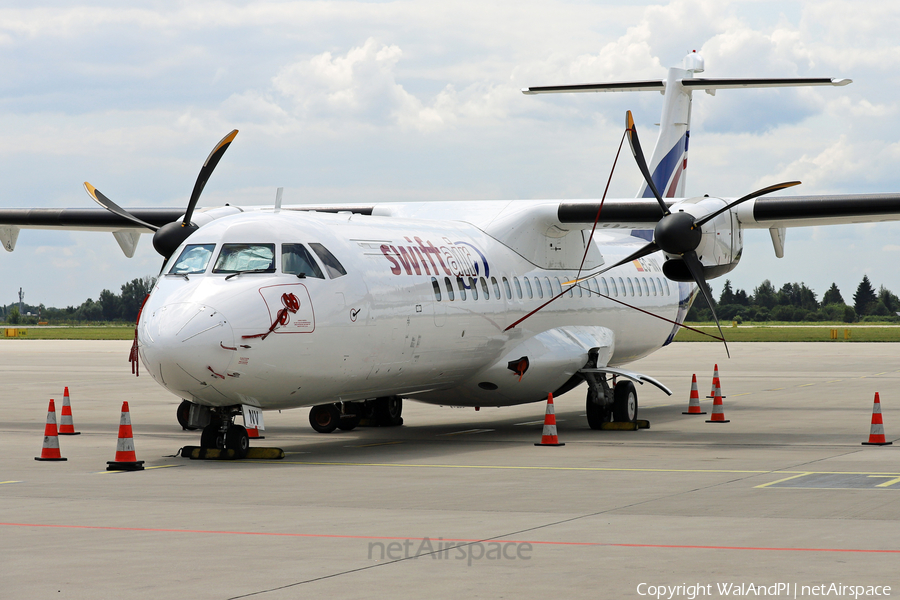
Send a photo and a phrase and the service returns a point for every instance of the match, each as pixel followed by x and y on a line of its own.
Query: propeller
pixel 170 236
pixel 680 233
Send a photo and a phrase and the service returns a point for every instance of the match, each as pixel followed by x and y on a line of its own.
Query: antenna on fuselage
pixel 278 194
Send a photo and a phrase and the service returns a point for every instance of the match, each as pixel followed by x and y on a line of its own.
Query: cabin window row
pixel 537 287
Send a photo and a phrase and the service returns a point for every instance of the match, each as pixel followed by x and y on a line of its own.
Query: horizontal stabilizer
pixel 708 84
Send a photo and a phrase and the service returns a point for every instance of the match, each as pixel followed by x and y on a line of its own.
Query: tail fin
pixel 669 159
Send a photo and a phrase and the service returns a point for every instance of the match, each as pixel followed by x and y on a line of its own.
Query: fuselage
pixel 417 308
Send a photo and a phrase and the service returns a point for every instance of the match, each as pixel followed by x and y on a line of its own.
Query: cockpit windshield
pixel 296 260
pixel 193 259
pixel 243 258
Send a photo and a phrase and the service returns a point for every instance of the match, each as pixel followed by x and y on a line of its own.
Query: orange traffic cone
pixel 50 451
pixel 125 456
pixel 549 438
pixel 66 425
pixel 876 432
pixel 718 414
pixel 716 383
pixel 694 404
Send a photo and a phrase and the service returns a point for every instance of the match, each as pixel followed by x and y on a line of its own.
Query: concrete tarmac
pixel 783 494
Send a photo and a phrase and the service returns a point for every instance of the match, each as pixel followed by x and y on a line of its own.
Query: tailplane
pixel 669 160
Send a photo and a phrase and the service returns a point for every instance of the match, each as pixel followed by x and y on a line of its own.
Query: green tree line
pixel 109 307
pixel 797 302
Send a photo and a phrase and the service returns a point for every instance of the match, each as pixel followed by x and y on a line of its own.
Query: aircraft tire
pixel 388 411
pixel 211 437
pixel 348 422
pixel 183 412
pixel 625 403
pixel 324 418
pixel 237 439
pixel 596 414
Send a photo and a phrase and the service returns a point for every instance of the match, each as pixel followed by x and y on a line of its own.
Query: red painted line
pixel 462 540
pixel 301 535
pixel 680 546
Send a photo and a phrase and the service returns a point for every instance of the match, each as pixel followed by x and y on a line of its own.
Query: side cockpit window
pixel 296 260
pixel 245 258
pixel 333 266
pixel 193 259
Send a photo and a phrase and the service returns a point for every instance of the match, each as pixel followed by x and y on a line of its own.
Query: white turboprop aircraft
pixel 350 309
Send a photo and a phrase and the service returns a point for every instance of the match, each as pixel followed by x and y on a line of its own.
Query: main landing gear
pixel 605 404
pixel 346 416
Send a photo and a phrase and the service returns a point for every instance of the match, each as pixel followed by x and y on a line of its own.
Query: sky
pixel 390 101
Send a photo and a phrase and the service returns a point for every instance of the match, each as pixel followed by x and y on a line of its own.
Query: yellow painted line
pixel 372 445
pixel 145 469
pixel 592 469
pixel 806 385
pixel 4 482
pixel 882 373
pixel 888 483
pixel 742 394
pixel 773 390
pixel 480 430
pixel 783 480
pixel 834 381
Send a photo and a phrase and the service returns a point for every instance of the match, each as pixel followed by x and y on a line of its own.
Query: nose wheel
pixel 223 434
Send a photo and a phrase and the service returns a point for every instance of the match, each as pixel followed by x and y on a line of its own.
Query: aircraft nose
pixel 186 346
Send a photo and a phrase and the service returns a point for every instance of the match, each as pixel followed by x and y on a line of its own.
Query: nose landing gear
pixel 223 434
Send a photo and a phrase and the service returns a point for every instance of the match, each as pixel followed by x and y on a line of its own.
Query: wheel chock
pixel 198 453
pixel 625 425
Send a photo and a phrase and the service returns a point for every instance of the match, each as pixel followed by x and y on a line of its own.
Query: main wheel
pixel 351 418
pixel 388 411
pixel 212 437
pixel 625 403
pixel 237 439
pixel 183 414
pixel 596 413
pixel 324 418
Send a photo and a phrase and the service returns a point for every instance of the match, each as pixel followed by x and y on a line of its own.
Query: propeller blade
pixel 756 194
pixel 208 167
pixel 114 208
pixel 643 251
pixel 641 163
pixel 696 268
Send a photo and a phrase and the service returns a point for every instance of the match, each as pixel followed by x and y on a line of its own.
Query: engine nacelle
pixel 721 244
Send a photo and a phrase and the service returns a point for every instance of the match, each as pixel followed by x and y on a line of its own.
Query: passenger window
pixel 242 258
pixel 449 287
pixel 473 287
pixel 332 265
pixel 549 288
pixel 484 288
pixel 621 287
pixel 518 288
pixel 537 285
pixel 592 284
pixel 437 289
pixel 295 259
pixel 461 286
pixel 193 259
pixel 666 282
pixel 631 287
pixel 528 287
pixel 644 285
pixel 614 287
pixel 652 287
pixel 507 288
pixel 578 290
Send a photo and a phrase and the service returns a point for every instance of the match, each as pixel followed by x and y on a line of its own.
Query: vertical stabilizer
pixel 669 160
